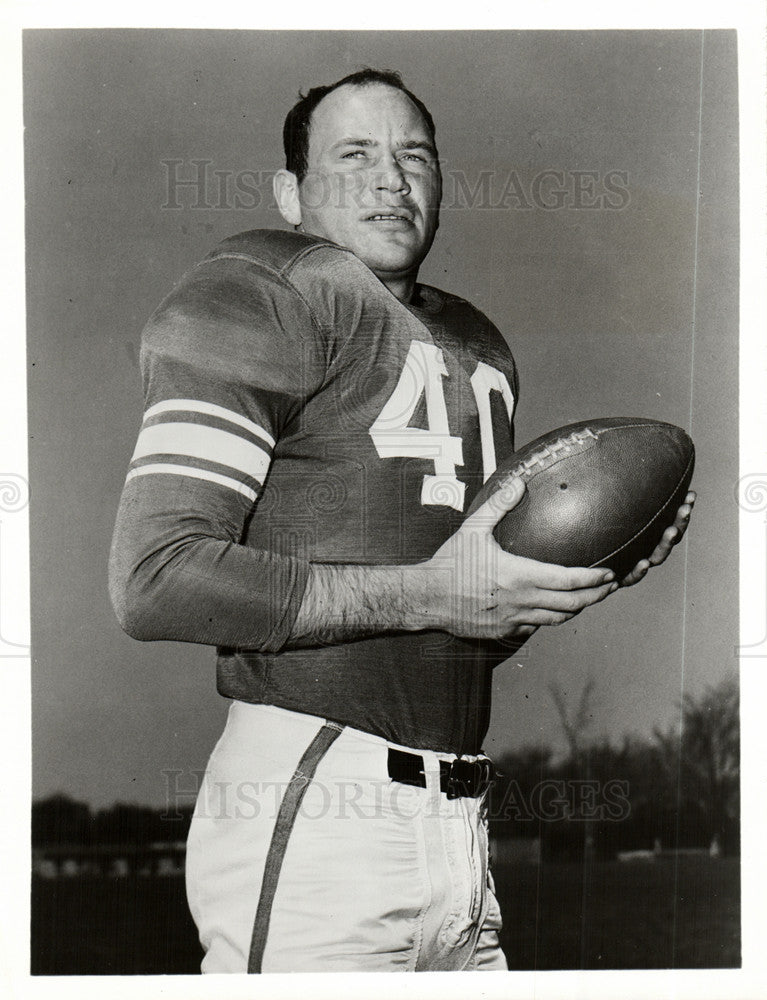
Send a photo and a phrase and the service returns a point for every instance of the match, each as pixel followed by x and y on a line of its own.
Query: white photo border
pixel 751 981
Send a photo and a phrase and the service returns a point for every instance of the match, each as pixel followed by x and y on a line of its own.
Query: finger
pixel 542 616
pixel 662 550
pixel 671 537
pixel 505 498
pixel 638 573
pixel 522 631
pixel 572 602
pixel 682 519
pixel 549 616
pixel 691 497
pixel 550 576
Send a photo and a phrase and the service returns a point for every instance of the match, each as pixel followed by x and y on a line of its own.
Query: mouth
pixel 398 216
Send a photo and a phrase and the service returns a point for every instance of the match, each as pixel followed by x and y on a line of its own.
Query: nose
pixel 391 177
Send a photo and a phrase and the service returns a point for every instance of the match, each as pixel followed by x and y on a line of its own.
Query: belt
pixel 457 778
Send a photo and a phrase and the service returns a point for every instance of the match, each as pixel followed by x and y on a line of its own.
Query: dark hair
pixel 295 132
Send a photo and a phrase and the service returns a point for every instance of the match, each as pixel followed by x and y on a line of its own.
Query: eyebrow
pixel 353 142
pixel 419 144
pixel 407 144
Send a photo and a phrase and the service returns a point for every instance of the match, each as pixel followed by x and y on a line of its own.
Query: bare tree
pixel 701 760
pixel 575 725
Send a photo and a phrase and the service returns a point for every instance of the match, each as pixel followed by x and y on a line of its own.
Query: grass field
pixel 662 914
pixel 653 915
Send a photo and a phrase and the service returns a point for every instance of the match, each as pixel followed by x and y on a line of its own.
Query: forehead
pixel 372 110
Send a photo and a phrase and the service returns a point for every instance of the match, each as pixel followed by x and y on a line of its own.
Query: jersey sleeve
pixel 227 362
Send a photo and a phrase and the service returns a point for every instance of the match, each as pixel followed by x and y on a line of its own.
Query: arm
pixel 470 587
pixel 179 575
pixel 221 381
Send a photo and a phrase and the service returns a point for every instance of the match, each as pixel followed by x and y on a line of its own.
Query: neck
pixel 401 287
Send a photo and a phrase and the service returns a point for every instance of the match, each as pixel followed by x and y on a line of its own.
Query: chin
pixel 392 267
pixel 392 263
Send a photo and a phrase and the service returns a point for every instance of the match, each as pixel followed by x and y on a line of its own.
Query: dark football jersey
pixel 297 412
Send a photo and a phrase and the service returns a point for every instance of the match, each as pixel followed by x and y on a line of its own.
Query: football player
pixel 316 424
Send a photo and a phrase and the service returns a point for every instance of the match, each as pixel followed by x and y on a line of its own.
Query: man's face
pixel 373 182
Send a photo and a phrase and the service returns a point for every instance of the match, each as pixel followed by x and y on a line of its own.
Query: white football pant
pixel 304 855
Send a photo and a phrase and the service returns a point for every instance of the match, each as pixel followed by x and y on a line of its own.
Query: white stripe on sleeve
pixel 207 443
pixel 186 470
pixel 212 410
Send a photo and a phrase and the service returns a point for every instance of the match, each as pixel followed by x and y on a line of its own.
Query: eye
pixel 413 156
pixel 353 154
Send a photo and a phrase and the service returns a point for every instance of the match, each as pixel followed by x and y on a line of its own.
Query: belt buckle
pixel 468 778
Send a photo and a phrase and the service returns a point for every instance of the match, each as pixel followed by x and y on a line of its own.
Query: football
pixel 598 493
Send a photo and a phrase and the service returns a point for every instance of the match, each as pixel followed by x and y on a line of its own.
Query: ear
pixel 285 185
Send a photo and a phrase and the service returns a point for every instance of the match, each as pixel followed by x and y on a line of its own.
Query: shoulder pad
pixel 275 248
pixel 436 299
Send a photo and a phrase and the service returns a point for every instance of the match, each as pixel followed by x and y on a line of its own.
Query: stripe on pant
pixel 286 817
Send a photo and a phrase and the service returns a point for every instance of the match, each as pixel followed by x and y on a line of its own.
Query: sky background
pixel 624 311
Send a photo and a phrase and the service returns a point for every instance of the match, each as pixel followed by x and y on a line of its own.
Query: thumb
pixel 498 504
